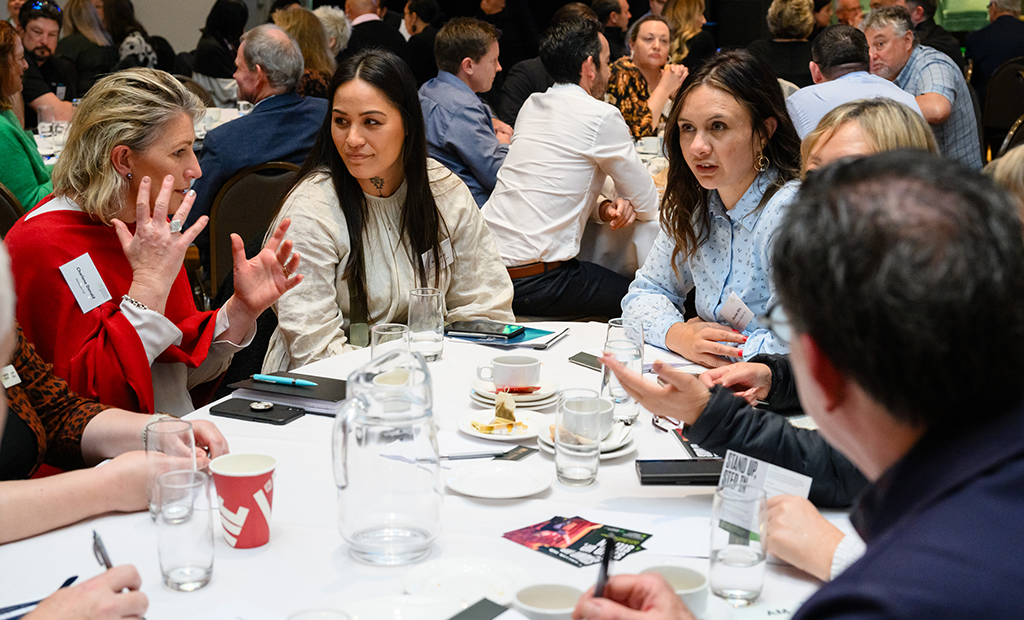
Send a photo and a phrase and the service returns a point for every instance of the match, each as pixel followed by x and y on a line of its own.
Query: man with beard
pixel 567 141
pixel 49 80
pixel 931 77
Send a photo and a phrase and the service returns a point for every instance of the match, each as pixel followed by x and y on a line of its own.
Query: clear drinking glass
pixel 185 529
pixel 170 445
pixel 631 356
pixel 738 525
pixel 426 323
pixel 388 337
pixel 59 135
pixel 44 121
pixel 626 329
pixel 577 437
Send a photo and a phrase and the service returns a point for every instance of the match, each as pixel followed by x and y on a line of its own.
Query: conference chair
pixel 10 210
pixel 245 205
pixel 1004 100
pixel 1014 137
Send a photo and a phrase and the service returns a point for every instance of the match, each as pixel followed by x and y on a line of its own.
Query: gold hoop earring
pixel 762 163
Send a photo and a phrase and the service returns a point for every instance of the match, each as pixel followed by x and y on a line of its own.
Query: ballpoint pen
pixel 606 562
pixel 100 551
pixel 283 380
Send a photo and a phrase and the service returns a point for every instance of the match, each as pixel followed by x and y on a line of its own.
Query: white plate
pixel 533 404
pixel 404 608
pixel 604 456
pixel 486 390
pixel 606 446
pixel 535 422
pixel 498 479
pixel 467 580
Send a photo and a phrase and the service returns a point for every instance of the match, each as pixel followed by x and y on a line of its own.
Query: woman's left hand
pixel 209 439
pixel 261 280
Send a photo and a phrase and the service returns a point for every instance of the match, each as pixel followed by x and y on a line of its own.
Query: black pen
pixel 100 551
pixel 606 562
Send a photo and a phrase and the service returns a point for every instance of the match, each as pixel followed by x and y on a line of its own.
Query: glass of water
pixel 577 437
pixel 185 529
pixel 387 337
pixel 626 329
pixel 629 355
pixel 738 525
pixel 426 323
pixel 170 445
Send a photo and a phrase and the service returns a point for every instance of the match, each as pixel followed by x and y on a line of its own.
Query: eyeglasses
pixel 777 321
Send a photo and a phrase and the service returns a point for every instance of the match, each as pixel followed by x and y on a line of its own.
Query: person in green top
pixel 23 171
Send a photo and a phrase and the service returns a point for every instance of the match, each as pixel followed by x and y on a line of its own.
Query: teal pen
pixel 283 380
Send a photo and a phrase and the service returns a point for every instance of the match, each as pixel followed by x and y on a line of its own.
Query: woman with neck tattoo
pixel 373 218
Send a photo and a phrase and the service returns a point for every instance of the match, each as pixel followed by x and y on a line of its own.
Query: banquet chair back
pixel 10 210
pixel 1004 100
pixel 245 205
pixel 1014 138
pixel 197 90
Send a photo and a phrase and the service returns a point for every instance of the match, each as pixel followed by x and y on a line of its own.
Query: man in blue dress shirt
pixel 840 74
pixel 462 132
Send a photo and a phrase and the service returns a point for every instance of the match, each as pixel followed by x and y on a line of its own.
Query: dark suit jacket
pixel 375 34
pixel 281 128
pixel 991 46
pixel 935 36
pixel 421 55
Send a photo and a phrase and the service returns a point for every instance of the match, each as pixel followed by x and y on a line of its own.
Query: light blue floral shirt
pixel 736 257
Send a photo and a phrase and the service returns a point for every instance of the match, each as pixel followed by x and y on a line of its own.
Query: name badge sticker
pixel 85 283
pixel 9 376
pixel 736 313
pixel 61 91
pixel 447 256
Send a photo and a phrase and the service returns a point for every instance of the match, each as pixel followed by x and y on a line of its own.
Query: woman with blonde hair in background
pixel 691 44
pixel 86 43
pixel 305 27
pixel 865 127
pixel 1008 171
pixel 788 52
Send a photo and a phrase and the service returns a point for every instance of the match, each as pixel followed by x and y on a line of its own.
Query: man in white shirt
pixel 567 141
pixel 840 72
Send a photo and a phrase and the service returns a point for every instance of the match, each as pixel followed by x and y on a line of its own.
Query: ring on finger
pixel 175 226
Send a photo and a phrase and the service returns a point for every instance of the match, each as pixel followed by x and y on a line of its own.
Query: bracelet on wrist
pixel 135 302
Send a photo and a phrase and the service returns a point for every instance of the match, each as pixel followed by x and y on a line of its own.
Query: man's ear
pixel 261 76
pixel 121 157
pixel 467 65
pixel 589 69
pixel 816 75
pixel 832 384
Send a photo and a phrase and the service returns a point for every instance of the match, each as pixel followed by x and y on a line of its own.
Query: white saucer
pixel 547 389
pixel 533 404
pixel 629 448
pixel 404 608
pixel 498 479
pixel 467 580
pixel 606 446
pixel 535 423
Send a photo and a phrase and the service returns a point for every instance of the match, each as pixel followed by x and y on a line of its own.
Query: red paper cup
pixel 245 492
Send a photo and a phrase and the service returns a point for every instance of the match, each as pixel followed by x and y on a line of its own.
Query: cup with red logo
pixel 245 494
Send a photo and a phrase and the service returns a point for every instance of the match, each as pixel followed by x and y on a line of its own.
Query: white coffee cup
pixel 511 371
pixel 690 585
pixel 606 415
pixel 651 145
pixel 547 601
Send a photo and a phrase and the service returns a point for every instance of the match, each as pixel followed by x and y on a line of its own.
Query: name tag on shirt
pixel 9 376
pixel 85 282
pixel 447 256
pixel 61 91
pixel 736 313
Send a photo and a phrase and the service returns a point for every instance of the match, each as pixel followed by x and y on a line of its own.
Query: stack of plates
pixel 620 442
pixel 483 394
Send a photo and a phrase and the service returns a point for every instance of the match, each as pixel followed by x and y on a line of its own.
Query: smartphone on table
pixel 486 330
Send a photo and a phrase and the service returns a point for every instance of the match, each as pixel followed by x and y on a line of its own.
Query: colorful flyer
pixel 576 541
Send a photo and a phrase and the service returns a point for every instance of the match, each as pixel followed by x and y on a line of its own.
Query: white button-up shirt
pixel 565 144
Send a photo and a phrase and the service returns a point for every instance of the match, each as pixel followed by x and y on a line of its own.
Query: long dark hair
pixel 421 224
pixel 754 86
pixel 227 20
pixel 119 16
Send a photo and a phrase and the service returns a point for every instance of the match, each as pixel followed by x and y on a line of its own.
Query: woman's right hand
pixel 154 252
pixel 672 77
pixel 701 342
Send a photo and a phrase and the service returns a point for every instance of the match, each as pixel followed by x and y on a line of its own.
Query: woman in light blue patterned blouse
pixel 733 155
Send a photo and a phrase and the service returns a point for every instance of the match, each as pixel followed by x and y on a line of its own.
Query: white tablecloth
pixel 307 564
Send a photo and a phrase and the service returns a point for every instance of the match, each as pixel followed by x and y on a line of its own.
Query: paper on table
pixel 447 443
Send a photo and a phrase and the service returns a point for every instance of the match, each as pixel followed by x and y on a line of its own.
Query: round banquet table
pixel 307 564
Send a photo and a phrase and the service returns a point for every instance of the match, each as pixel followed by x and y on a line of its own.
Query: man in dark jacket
pixel 369 30
pixel 892 270
pixel 996 43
